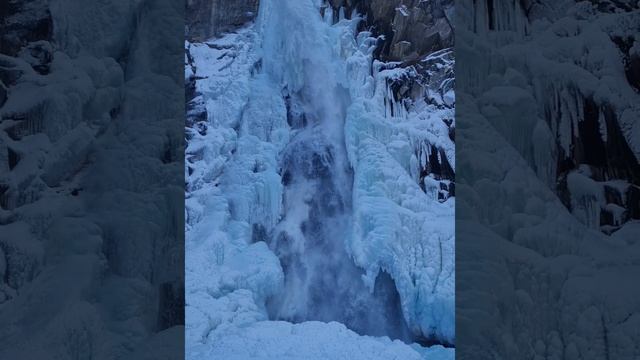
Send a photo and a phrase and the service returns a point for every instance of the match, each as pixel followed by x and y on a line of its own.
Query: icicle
pixel 602 122
pixel 328 15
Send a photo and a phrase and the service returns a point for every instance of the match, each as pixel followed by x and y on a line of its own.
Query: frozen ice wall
pixel 320 187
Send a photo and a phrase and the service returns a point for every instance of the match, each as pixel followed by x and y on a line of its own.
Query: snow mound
pixel 313 341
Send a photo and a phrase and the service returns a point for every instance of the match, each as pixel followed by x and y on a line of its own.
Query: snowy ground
pixel 311 340
pixel 235 188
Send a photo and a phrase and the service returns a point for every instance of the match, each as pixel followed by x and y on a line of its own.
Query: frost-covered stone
pixel 208 18
pixel 39 55
pixel 412 28
pixel 24 21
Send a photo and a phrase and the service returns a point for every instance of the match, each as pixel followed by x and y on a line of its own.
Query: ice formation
pixel 315 192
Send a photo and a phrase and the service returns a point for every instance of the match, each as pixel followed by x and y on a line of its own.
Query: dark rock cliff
pixel 23 22
pixel 208 18
pixel 412 28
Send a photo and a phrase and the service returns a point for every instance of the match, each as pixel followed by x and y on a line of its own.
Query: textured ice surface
pixel 398 227
pixel 233 184
pixel 293 119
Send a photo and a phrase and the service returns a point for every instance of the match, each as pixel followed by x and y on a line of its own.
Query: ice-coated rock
pixel 412 28
pixel 39 55
pixel 590 105
pixel 24 22
pixel 208 18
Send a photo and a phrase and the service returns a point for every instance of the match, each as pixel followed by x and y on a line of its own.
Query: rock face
pixel 418 35
pixel 207 18
pixel 23 22
pixel 412 28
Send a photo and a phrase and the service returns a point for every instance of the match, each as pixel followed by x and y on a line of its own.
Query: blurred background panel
pixel 91 179
pixel 547 222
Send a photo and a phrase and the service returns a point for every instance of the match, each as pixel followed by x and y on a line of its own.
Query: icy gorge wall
pixel 90 220
pixel 208 18
pixel 412 28
pixel 320 185
pixel 548 114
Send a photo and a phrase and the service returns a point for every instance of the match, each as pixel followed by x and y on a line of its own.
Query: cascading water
pixel 301 53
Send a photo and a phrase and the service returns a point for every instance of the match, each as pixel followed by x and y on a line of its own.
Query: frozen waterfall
pixel 309 203
pixel 321 280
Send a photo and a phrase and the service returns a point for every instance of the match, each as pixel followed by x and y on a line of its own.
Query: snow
pixel 314 341
pixel 586 198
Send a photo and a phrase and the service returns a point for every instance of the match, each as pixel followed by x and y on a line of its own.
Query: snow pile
pixel 315 341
